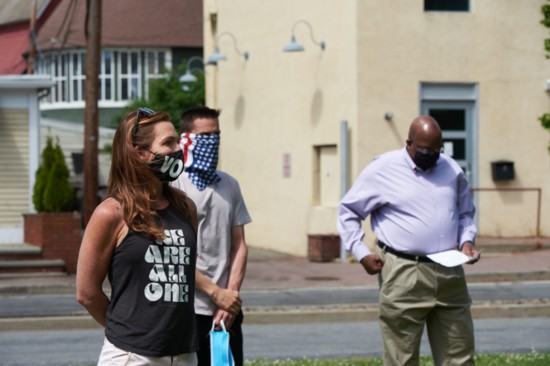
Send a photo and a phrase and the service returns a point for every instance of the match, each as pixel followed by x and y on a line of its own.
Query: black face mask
pixel 425 161
pixel 167 168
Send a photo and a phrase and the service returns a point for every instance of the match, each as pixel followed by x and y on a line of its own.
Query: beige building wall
pixel 14 167
pixel 19 147
pixel 281 112
pixel 499 47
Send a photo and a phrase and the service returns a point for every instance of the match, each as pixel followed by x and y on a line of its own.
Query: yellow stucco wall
pixel 278 105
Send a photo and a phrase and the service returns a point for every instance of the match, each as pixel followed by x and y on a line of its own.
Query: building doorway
pixel 454 108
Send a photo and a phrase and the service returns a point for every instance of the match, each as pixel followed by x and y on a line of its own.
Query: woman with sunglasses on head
pixel 143 237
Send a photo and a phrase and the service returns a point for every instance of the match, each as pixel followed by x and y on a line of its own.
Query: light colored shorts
pixel 114 356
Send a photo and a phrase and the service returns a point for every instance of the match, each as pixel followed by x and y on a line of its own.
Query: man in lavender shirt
pixel 419 203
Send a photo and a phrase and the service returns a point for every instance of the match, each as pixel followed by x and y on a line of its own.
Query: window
pixel 78 76
pixel 123 74
pixel 129 66
pixel 60 77
pixel 107 76
pixel 446 5
pixel 156 68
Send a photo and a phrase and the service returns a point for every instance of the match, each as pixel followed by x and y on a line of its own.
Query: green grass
pixel 524 359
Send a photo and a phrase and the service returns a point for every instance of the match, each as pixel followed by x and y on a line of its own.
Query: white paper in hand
pixel 449 258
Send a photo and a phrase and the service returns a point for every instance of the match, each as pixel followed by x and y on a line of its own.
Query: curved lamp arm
pixel 188 77
pixel 218 56
pixel 190 61
pixel 321 44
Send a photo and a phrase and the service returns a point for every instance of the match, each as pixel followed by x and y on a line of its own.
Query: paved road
pixel 54 305
pixel 276 341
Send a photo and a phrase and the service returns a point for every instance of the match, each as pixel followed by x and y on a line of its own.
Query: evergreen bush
pixel 52 190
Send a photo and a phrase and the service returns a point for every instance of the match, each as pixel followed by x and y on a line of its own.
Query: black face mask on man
pixel 167 168
pixel 425 161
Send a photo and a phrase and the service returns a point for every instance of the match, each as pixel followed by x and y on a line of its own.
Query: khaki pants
pixel 114 356
pixel 414 294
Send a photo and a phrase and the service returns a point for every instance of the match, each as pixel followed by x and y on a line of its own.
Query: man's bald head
pixel 424 139
pixel 424 127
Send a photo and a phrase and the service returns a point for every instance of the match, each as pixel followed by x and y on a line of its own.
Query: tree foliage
pixel 168 95
pixel 52 191
pixel 545 21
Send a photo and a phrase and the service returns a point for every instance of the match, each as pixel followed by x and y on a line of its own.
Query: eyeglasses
pixel 429 150
pixel 144 111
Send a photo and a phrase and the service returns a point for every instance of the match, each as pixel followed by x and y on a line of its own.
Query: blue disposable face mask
pixel 167 168
pixel 220 352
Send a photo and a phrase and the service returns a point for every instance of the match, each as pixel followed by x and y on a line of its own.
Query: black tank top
pixel 152 290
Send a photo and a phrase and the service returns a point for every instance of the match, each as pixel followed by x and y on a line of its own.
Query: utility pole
pixel 91 111
pixel 32 38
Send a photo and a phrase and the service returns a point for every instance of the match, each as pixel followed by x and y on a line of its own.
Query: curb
pixel 537 275
pixel 70 288
pixel 281 315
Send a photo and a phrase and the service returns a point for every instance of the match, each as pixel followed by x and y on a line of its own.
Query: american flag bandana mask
pixel 200 154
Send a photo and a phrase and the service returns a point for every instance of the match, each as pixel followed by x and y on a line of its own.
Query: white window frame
pixel 78 94
pixel 73 96
pixel 128 77
pixel 45 68
pixel 104 77
pixel 157 73
pixel 60 78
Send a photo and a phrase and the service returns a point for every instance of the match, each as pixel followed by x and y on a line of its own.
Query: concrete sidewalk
pixel 274 273
pixel 268 270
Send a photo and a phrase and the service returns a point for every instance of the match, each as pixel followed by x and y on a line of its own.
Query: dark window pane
pixel 64 60
pixel 151 62
pixel 108 89
pixel 124 62
pixel 162 70
pixel 134 59
pixel 55 66
pixel 134 88
pixel 459 148
pixel 447 5
pixel 63 96
pixel 124 93
pixel 75 64
pixel 108 57
pixel 450 119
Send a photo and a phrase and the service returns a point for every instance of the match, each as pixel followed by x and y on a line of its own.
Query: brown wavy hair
pixel 133 184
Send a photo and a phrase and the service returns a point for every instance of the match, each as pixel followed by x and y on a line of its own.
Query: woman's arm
pixel 100 239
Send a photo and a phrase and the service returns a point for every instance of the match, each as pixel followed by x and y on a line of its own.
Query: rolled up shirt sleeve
pixel 363 197
pixel 466 210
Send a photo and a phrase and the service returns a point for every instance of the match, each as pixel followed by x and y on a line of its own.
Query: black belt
pixel 411 257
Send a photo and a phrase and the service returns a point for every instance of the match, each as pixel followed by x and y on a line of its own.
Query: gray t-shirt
pixel 220 206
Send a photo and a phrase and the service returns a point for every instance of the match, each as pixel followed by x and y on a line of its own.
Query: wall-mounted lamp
pixel 293 46
pixel 189 78
pixel 388 116
pixel 218 56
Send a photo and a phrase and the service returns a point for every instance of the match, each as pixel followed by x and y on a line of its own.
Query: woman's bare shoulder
pixel 109 210
pixel 190 203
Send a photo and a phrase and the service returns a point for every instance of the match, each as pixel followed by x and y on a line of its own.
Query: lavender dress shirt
pixel 413 211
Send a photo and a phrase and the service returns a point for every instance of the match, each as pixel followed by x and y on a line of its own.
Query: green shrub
pixel 167 95
pixel 52 190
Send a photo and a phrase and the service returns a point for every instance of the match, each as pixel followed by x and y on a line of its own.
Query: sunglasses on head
pixel 141 112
